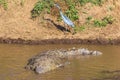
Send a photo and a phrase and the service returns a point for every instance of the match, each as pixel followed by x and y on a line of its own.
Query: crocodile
pixel 52 59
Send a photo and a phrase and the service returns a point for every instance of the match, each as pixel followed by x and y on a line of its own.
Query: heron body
pixel 65 18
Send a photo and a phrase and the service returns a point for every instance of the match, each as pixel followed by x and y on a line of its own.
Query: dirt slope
pixel 16 23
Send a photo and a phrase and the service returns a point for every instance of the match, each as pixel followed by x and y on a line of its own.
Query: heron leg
pixel 66 29
pixel 72 30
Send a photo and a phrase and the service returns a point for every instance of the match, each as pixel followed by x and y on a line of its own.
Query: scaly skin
pixel 50 60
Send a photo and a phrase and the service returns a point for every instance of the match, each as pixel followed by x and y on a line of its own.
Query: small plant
pixel 83 2
pixel 96 2
pixel 72 13
pixel 102 23
pixel 40 6
pixel 80 28
pixel 99 23
pixel 88 19
pixel 4 4
pixel 108 19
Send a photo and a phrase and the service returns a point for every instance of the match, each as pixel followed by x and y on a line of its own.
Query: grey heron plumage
pixel 65 18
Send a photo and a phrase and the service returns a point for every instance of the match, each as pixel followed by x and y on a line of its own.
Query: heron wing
pixel 66 20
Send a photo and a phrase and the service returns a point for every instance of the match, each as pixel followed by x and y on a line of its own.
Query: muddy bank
pixel 61 41
pixel 16 25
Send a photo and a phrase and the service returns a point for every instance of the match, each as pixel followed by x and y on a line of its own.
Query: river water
pixel 14 57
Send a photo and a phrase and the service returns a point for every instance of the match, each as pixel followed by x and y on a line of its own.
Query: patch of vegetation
pixel 40 6
pixel 4 4
pixel 96 2
pixel 88 19
pixel 99 23
pixel 71 12
pixel 80 28
pixel 102 23
pixel 108 19
pixel 46 5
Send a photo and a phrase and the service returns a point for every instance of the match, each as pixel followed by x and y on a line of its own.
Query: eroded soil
pixel 16 25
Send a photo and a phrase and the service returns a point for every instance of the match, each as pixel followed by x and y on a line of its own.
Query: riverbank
pixel 16 26
pixel 61 41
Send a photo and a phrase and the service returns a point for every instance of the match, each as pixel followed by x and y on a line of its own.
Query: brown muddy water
pixel 14 57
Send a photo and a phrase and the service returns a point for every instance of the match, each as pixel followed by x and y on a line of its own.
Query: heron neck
pixel 60 12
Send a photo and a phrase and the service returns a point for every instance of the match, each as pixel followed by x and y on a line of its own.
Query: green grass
pixel 71 12
pixel 41 6
pixel 99 23
pixel 102 23
pixel 88 19
pixel 4 4
pixel 46 5
pixel 95 2
pixel 79 28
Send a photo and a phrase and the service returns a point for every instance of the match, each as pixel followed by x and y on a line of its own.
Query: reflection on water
pixel 13 58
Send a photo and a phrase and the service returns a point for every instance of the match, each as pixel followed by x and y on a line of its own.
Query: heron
pixel 66 20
